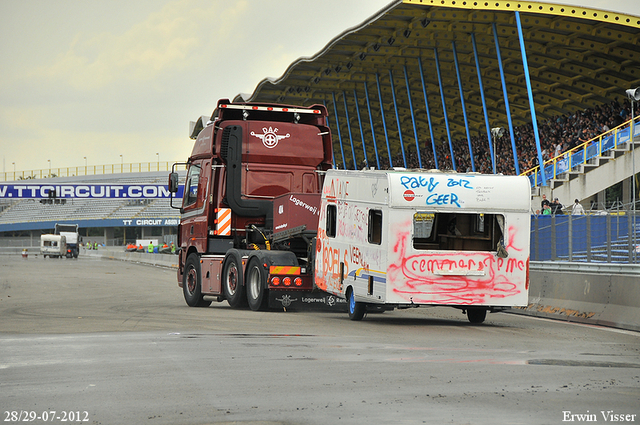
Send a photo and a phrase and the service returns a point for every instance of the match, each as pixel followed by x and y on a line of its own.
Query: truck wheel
pixel 192 283
pixel 232 284
pixel 356 309
pixel 257 292
pixel 476 315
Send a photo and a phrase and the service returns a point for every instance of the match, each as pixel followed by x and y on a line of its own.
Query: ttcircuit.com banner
pixel 86 191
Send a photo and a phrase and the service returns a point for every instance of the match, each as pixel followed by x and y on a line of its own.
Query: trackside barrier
pixel 602 294
pixel 161 260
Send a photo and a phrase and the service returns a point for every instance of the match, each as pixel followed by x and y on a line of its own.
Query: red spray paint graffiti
pixel 455 277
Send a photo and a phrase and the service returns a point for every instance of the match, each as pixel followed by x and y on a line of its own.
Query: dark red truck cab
pixel 250 206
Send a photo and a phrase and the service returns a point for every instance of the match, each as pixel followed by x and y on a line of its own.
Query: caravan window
pixel 332 218
pixel 457 231
pixel 375 227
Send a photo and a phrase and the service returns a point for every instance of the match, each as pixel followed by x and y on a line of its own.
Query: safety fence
pixel 602 238
pixel 90 170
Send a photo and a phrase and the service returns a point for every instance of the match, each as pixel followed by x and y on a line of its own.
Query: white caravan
pixel 55 246
pixel 399 238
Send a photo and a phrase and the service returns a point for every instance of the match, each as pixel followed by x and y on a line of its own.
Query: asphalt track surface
pixel 107 342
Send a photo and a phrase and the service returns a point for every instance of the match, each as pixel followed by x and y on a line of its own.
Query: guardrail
pixel 581 154
pixel 608 238
pixel 89 170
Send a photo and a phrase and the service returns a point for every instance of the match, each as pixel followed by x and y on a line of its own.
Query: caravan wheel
pixel 476 315
pixel 356 309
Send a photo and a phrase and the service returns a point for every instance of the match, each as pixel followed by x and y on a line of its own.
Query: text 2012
pixel 46 416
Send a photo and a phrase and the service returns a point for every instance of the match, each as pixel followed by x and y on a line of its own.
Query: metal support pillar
pixel 335 110
pixel 554 239
pixel 608 230
pixel 373 133
pixel 464 108
pixel 588 238
pixel 484 102
pixel 532 107
pixel 570 230
pixel 506 101
pixel 426 105
pixel 444 111
pixel 384 122
pixel 395 108
pixel 346 113
pixel 364 148
pixel 413 119
pixel 333 148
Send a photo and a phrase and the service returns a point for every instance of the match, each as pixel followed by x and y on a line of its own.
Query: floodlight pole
pixel 634 96
pixel 633 178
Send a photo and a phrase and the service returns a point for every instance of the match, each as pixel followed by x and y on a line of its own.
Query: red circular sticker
pixel 409 195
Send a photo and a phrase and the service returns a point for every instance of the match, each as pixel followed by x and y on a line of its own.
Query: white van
pixel 55 246
pixel 397 239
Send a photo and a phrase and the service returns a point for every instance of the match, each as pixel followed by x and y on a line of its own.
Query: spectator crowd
pixel 557 135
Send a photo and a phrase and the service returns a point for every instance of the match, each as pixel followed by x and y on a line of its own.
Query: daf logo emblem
pixel 270 138
pixel 286 300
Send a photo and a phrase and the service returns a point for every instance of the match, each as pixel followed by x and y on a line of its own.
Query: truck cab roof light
pixel 270 108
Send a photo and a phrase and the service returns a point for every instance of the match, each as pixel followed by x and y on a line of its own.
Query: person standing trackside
pixel 544 202
pixel 556 207
pixel 150 248
pixel 577 208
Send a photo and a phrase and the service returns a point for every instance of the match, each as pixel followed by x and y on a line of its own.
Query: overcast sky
pixel 105 78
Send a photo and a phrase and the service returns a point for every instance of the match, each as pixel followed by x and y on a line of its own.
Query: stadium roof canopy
pixel 576 58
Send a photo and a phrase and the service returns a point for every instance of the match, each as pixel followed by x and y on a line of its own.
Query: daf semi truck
pixel 250 206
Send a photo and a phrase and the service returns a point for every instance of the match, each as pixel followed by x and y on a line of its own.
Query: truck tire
pixel 256 283
pixel 476 315
pixel 232 282
pixel 356 309
pixel 192 283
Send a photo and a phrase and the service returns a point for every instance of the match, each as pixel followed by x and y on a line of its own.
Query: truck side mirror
pixel 173 182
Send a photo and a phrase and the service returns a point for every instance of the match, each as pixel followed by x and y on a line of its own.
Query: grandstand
pixel 546 98
pixel 108 221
